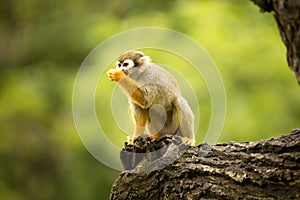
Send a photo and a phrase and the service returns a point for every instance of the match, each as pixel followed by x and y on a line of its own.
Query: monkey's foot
pixel 185 140
pixel 131 139
pixel 188 141
pixel 156 137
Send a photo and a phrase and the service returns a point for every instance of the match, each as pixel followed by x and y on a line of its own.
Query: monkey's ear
pixel 144 60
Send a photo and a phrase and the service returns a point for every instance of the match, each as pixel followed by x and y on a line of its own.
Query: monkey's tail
pixel 186 119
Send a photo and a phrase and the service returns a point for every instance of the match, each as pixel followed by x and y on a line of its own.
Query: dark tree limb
pixel 267 169
pixel 287 15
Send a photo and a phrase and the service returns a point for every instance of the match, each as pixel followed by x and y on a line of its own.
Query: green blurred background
pixel 43 44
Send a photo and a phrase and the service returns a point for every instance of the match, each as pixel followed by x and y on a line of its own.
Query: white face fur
pixel 129 64
pixel 126 65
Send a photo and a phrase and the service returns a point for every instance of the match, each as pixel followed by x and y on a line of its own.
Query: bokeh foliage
pixel 43 44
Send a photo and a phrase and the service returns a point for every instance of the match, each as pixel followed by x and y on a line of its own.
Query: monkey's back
pixel 154 74
pixel 161 86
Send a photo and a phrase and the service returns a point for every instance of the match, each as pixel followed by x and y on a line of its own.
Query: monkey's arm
pixel 136 93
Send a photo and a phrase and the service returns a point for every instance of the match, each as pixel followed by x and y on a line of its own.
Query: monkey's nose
pixel 125 71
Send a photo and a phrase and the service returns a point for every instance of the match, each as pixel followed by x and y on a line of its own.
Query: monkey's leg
pixel 158 120
pixel 180 121
pixel 171 124
pixel 141 118
pixel 186 122
pixel 160 126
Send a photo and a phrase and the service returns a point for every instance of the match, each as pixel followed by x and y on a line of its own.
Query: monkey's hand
pixel 115 74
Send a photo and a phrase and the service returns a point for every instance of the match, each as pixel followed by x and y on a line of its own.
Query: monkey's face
pixel 130 62
pixel 126 66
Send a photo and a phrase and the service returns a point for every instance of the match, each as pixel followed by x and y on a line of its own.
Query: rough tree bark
pixel 287 16
pixel 267 169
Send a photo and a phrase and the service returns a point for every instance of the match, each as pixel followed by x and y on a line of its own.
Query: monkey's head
pixel 131 61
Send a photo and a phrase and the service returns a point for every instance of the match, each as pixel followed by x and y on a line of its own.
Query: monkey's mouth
pixel 125 71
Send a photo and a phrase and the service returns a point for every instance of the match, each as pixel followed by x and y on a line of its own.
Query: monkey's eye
pixel 118 63
pixel 128 63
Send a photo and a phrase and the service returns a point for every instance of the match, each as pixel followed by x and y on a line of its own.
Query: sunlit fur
pixel 155 98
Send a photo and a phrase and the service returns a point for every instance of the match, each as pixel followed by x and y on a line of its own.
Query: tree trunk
pixel 287 15
pixel 267 169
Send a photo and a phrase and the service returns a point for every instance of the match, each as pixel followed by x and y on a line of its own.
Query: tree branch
pixel 287 16
pixel 248 170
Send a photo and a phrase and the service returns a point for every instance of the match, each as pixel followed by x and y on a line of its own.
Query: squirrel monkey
pixel 155 98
